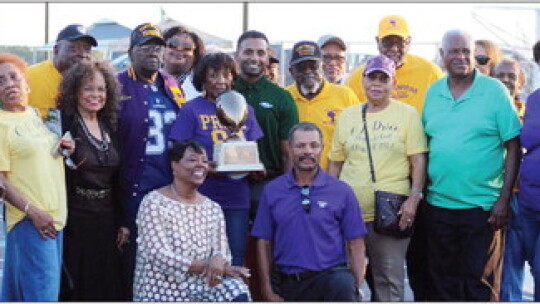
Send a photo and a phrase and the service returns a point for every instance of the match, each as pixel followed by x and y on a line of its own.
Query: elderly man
pixel 414 74
pixel 310 226
pixel 73 45
pixel 333 50
pixel 474 152
pixel 149 103
pixel 318 100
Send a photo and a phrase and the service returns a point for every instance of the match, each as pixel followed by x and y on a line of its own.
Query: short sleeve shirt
pixel 395 133
pixel 308 241
pixel 466 142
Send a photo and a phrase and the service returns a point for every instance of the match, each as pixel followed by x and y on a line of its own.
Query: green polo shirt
pixel 466 142
pixel 276 113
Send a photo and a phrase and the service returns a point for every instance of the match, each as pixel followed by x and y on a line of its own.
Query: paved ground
pixel 527 290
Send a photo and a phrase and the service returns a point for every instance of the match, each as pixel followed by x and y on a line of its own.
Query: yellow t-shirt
pixel 26 157
pixel 414 77
pixel 394 134
pixel 43 79
pixel 323 110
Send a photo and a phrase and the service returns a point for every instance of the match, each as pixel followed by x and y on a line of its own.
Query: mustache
pixel 302 158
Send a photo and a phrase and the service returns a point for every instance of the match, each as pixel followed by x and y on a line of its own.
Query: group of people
pixel 117 197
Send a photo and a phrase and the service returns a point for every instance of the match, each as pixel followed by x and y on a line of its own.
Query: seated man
pixel 310 226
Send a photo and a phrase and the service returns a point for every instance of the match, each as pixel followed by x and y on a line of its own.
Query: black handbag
pixel 387 204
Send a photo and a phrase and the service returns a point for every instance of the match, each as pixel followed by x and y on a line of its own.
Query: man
pixel 510 73
pixel 149 103
pixel 276 113
pixel 309 225
pixel 474 153
pixel 73 45
pixel 333 50
pixel 318 100
pixel 414 74
pixel 272 70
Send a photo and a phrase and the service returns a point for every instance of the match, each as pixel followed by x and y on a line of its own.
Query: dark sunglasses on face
pixel 178 45
pixel 306 202
pixel 482 59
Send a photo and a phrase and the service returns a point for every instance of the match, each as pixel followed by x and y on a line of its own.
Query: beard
pixel 247 70
pixel 310 87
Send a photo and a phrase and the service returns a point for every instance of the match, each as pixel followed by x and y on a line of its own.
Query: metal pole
pixel 46 22
pixel 245 25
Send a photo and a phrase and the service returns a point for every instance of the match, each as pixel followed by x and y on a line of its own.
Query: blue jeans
pixel 32 265
pixel 522 244
pixel 236 222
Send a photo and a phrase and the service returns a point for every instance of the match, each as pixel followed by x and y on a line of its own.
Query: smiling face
pixel 147 58
pixel 217 82
pixel 92 94
pixel 252 57
pixel 192 168
pixel 306 148
pixel 333 62
pixel 458 56
pixel 180 52
pixel 67 53
pixel 510 74
pixel 394 47
pixel 13 88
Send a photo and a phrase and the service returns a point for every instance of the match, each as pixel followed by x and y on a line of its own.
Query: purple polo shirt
pixel 308 241
pixel 197 121
pixel 529 183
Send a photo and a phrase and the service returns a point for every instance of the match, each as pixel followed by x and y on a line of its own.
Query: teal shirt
pixel 276 113
pixel 466 142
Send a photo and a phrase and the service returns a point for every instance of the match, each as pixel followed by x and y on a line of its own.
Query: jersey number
pixel 156 140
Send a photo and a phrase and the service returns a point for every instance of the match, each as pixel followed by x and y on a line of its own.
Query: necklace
pixel 104 145
pixel 179 198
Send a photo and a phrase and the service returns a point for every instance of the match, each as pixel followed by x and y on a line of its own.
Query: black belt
pixel 304 275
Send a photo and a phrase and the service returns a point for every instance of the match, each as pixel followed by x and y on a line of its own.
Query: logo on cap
pixel 306 50
pixel 150 30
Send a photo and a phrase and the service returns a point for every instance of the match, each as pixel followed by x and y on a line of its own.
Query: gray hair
pixel 304 126
pixel 445 43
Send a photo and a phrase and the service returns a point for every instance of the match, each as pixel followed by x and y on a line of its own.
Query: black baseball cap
pixel 144 33
pixel 74 32
pixel 305 50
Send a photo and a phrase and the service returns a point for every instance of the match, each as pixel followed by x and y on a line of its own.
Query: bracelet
pixel 26 208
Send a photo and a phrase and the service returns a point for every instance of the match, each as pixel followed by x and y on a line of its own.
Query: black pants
pixel 417 258
pixel 463 254
pixel 333 285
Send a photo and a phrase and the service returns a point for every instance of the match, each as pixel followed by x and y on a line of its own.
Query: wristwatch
pixel 418 191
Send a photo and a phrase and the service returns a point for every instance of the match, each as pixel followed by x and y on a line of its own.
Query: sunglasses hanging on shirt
pixel 306 202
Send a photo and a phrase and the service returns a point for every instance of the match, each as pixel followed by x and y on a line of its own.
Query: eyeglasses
pixel 388 42
pixel 150 48
pixel 328 58
pixel 482 59
pixel 306 202
pixel 178 45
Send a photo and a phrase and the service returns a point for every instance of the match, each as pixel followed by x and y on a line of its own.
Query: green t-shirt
pixel 466 142
pixel 276 113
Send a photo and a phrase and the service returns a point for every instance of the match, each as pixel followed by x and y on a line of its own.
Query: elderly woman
pixel 184 50
pixel 182 252
pixel 397 143
pixel 35 192
pixel 197 120
pixel 88 98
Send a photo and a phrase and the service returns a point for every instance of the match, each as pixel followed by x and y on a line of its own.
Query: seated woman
pixel 182 249
pixel 88 98
pixel 397 143
pixel 32 175
pixel 197 120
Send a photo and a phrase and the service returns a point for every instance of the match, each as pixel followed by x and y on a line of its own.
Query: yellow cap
pixel 393 25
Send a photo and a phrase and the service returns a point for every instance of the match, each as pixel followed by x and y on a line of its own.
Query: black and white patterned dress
pixel 172 234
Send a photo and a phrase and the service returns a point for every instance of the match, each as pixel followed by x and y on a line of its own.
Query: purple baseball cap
pixel 381 63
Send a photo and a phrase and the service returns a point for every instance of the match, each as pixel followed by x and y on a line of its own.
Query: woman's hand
pixel 43 222
pixel 122 237
pixel 237 272
pixel 214 270
pixel 66 146
pixel 408 212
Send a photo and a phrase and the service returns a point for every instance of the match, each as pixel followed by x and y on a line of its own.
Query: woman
pixel 88 98
pixel 35 192
pixel 397 143
pixel 487 54
pixel 182 251
pixel 184 50
pixel 197 120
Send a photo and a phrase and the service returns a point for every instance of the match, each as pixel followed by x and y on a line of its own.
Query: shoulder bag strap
pixel 371 168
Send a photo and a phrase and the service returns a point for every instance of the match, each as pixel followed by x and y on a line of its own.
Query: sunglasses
pixel 150 48
pixel 181 46
pixel 306 202
pixel 482 59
